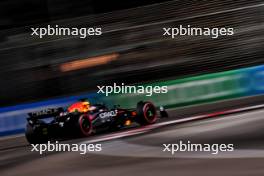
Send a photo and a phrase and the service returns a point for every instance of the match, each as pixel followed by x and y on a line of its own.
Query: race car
pixel 84 119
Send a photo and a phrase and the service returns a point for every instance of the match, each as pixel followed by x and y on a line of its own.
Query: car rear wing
pixel 46 113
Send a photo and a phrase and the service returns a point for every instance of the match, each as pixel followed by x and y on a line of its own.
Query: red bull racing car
pixel 84 119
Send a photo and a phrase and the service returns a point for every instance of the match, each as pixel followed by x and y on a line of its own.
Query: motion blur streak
pixel 244 130
pixel 133 50
pixel 89 62
pixel 34 67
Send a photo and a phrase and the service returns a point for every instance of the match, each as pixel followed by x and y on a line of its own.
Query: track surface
pixel 142 154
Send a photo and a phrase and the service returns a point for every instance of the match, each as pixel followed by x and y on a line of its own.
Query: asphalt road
pixel 142 154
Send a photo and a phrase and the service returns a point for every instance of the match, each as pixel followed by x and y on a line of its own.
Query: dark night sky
pixel 16 13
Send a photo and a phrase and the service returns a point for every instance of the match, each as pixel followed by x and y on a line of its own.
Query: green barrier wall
pixel 198 89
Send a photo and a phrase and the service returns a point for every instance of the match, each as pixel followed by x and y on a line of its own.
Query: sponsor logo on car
pixel 108 114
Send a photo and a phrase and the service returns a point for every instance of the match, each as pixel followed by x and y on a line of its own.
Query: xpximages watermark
pixel 65 31
pixel 191 147
pixel 130 89
pixel 60 147
pixel 197 31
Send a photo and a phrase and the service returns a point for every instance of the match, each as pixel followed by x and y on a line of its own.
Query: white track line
pixel 148 128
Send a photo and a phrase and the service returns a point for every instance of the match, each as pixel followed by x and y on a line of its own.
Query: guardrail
pixel 181 92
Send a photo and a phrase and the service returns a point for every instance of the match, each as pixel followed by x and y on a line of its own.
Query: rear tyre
pixel 146 113
pixel 37 134
pixel 84 125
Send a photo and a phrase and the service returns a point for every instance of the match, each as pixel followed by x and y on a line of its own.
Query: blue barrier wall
pixel 13 118
pixel 255 80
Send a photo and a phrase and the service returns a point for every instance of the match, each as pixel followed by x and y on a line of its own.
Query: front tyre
pixel 146 113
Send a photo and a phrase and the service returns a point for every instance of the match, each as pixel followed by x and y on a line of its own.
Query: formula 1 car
pixel 83 119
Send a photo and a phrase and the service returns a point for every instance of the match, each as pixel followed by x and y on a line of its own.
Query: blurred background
pixel 33 69
pixel 205 77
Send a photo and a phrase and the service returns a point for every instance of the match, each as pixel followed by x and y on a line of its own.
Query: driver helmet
pixel 86 106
